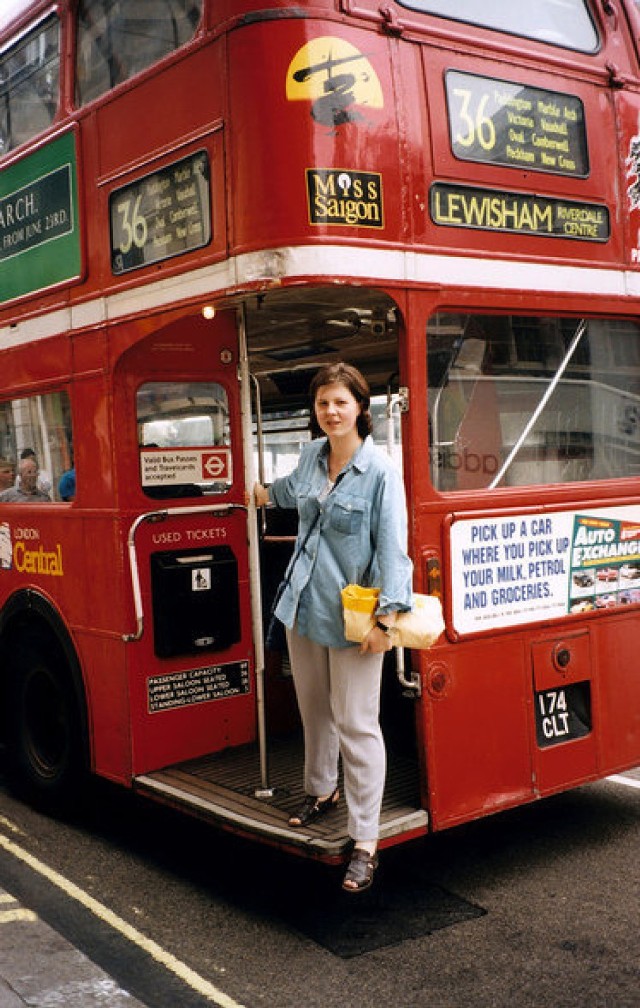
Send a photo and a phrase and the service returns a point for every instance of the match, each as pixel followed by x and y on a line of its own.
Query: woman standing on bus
pixel 352 530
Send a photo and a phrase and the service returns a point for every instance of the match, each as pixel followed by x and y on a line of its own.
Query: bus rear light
pixel 433 579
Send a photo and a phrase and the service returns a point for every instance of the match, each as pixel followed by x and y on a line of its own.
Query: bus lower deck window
pixel 518 400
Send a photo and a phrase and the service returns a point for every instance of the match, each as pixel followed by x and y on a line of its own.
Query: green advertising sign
pixel 39 235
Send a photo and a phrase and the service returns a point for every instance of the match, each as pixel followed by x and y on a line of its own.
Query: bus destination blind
pixel 505 123
pixel 518 213
pixel 161 215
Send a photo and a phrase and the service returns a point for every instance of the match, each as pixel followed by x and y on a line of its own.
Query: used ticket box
pixel 195 601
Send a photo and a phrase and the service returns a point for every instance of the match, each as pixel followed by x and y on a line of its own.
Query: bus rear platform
pixel 225 789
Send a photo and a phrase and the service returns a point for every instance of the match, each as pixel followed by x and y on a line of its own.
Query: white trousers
pixel 338 692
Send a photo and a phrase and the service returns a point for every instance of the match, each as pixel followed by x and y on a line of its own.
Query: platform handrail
pixel 158 516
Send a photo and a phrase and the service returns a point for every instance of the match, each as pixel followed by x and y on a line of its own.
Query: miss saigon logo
pixel 24 556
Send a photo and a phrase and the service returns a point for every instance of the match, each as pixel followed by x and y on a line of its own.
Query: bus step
pixel 222 788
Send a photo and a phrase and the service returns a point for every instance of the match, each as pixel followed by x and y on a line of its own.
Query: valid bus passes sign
pixel 39 234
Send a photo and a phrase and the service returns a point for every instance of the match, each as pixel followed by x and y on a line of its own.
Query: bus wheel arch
pixel 43 700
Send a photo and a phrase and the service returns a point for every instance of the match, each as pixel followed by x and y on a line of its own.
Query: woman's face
pixel 337 410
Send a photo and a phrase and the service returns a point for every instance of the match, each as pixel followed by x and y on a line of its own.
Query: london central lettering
pixel 38 561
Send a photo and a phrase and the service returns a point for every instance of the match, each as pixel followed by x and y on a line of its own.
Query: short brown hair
pixel 351 378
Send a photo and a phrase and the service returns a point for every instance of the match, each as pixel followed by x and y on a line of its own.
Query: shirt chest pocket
pixel 347 516
pixel 306 504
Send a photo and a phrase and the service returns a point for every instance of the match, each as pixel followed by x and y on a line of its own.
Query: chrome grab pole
pixel 399 402
pixel 265 790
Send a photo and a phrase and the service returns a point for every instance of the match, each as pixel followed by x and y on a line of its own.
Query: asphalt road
pixel 532 908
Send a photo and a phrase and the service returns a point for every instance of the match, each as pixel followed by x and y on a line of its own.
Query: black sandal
pixel 360 871
pixel 313 808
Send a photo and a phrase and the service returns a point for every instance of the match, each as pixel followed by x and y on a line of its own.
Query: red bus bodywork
pixel 421 229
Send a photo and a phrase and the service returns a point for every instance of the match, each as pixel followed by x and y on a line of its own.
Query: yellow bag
pixel 418 629
pixel 359 605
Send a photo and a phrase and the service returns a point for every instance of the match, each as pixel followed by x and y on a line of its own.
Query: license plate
pixel 563 714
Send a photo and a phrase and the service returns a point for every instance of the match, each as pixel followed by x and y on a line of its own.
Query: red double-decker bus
pixel 200 204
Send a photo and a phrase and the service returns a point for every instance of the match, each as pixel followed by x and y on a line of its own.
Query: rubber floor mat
pixel 391 912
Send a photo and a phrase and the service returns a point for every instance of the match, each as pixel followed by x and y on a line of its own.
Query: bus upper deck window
pixel 566 24
pixel 29 79
pixel 118 38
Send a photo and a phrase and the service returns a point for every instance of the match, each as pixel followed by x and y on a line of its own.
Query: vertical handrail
pixel 393 402
pixel 255 590
pixel 157 516
pixel 260 442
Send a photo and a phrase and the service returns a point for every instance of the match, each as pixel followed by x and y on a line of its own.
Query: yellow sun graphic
pixel 329 64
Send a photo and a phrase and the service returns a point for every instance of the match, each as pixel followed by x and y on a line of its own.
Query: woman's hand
pixel 260 495
pixel 376 642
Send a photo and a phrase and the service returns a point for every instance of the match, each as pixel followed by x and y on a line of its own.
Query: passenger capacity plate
pixel 181 689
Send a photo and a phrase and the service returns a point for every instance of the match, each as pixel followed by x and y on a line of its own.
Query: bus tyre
pixel 44 751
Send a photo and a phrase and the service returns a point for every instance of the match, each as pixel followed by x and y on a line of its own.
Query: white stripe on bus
pixel 325 261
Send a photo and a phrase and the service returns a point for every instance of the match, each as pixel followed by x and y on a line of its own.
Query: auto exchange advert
pixel 534 567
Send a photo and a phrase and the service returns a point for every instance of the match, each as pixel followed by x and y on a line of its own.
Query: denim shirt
pixel 360 537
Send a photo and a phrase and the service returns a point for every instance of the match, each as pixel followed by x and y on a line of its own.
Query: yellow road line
pixel 9 916
pixel 175 966
pixel 10 826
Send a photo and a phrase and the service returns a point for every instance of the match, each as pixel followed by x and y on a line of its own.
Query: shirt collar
pixel 360 460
